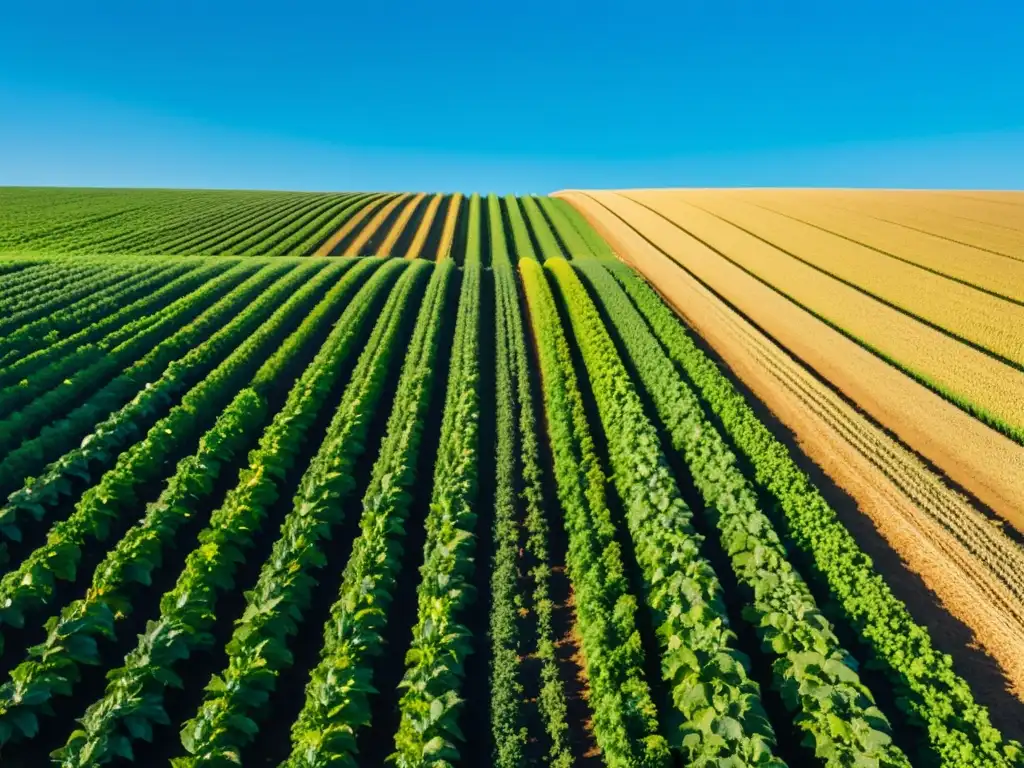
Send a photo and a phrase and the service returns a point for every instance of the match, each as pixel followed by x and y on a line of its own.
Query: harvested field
pixel 964 374
pixel 990 465
pixel 988 256
pixel 974 568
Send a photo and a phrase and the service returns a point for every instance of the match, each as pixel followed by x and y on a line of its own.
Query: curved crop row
pixel 101 446
pixel 32 583
pixel 92 319
pixel 53 665
pixel 522 243
pixel 284 243
pixel 30 278
pixel 56 281
pixel 133 703
pixel 270 230
pixel 596 245
pixel 574 242
pixel 146 239
pixel 85 346
pixel 200 242
pixel 258 649
pixel 187 324
pixel 188 313
pixel 42 335
pixel 66 293
pixel 547 241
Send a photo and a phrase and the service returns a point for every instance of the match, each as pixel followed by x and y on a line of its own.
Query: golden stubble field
pixel 875 326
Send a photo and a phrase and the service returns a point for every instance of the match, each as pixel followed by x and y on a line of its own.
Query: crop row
pixel 154 434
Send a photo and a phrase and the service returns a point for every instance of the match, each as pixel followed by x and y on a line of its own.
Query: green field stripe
pixel 282 592
pixel 223 219
pixel 544 235
pixel 287 338
pixel 573 241
pixel 800 642
pixel 104 334
pixel 941 702
pixel 625 723
pixel 135 692
pixel 55 421
pixel 242 242
pixel 299 222
pixel 239 227
pixel 522 242
pixel 596 244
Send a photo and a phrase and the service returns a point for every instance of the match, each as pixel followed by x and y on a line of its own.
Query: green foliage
pixel 518 494
pixel 625 718
pixel 722 717
pixel 576 245
pixel 428 729
pixel 87 222
pixel 52 667
pixel 135 693
pixel 337 695
pixel 935 699
pixel 560 211
pixel 258 650
pixel 56 346
pixel 546 240
pixel 122 374
pixel 520 231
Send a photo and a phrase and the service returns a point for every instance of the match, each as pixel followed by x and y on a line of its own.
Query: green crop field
pixel 467 493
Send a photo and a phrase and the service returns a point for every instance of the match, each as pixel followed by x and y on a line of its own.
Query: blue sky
pixel 512 97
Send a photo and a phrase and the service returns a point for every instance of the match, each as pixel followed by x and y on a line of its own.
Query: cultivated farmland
pixel 622 479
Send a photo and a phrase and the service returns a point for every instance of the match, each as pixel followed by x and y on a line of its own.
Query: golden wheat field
pixel 883 329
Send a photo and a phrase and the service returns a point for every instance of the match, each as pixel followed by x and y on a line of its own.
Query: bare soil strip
pixel 416 248
pixel 399 226
pixel 975 570
pixel 334 241
pixel 448 233
pixel 373 225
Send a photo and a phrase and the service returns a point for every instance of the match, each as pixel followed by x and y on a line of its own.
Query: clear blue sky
pixel 524 96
